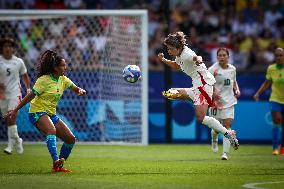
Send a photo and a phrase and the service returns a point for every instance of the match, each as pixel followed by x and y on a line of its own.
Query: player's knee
pixel 51 131
pixel 71 139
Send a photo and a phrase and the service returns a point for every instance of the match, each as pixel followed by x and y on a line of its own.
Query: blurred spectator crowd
pixel 250 29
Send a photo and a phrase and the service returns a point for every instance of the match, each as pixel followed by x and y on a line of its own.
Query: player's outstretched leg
pixel 214 141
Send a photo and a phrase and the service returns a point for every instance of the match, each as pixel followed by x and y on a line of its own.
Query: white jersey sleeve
pixel 198 73
pixel 10 72
pixel 22 66
pixel 224 85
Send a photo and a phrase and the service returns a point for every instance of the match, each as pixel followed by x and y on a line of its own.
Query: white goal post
pixel 97 45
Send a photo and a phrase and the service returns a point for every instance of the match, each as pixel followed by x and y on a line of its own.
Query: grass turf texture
pixel 151 167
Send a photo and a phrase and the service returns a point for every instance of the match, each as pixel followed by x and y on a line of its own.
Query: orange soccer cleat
pixel 58 166
pixel 275 152
pixel 61 169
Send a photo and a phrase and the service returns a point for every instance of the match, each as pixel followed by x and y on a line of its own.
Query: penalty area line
pixel 254 185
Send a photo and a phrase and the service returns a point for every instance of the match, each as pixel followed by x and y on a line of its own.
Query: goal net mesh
pixel 96 49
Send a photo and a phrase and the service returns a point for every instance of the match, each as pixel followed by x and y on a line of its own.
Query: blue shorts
pixel 34 117
pixel 277 107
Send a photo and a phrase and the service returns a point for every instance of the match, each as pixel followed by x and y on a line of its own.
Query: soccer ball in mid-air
pixel 131 73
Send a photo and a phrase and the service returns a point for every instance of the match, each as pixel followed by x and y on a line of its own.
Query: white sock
pixel 10 141
pixel 13 132
pixel 213 123
pixel 226 144
pixel 214 136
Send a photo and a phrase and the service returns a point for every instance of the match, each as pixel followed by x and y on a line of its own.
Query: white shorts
pixel 222 113
pixel 201 95
pixel 8 104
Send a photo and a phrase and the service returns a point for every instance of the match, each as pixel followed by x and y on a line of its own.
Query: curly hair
pixel 48 61
pixel 3 41
pixel 176 39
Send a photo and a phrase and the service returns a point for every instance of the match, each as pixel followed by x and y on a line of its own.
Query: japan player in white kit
pixel 11 68
pixel 227 91
pixel 202 80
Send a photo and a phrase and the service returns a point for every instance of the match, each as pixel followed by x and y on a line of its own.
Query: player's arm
pixel 236 89
pixel 22 103
pixel 70 85
pixel 79 91
pixel 262 88
pixel 27 82
pixel 170 63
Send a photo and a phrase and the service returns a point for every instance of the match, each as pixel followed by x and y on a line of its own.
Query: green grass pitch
pixel 151 167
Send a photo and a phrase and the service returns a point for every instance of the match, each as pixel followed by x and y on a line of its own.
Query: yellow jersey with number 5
pixel 48 92
pixel 275 74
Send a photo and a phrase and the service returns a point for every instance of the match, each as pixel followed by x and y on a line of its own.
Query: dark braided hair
pixel 176 39
pixel 48 61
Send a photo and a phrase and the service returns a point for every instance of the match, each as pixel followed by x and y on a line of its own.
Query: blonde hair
pixel 176 39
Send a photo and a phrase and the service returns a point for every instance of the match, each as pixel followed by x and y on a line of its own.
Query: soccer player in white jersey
pixel 11 68
pixel 202 80
pixel 227 91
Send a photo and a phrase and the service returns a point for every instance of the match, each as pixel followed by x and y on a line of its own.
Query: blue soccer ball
pixel 131 73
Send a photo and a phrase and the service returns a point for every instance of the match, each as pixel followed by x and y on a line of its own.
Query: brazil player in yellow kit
pixel 44 98
pixel 275 78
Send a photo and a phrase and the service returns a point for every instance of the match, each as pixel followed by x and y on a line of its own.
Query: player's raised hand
pixel 161 56
pixel 81 92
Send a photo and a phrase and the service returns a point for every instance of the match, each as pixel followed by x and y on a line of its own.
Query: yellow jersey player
pixel 11 68
pixel 275 78
pixel 46 93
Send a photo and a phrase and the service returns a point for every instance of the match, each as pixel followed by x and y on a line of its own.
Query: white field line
pixel 253 185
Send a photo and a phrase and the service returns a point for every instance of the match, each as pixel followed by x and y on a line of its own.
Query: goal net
pixel 97 45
